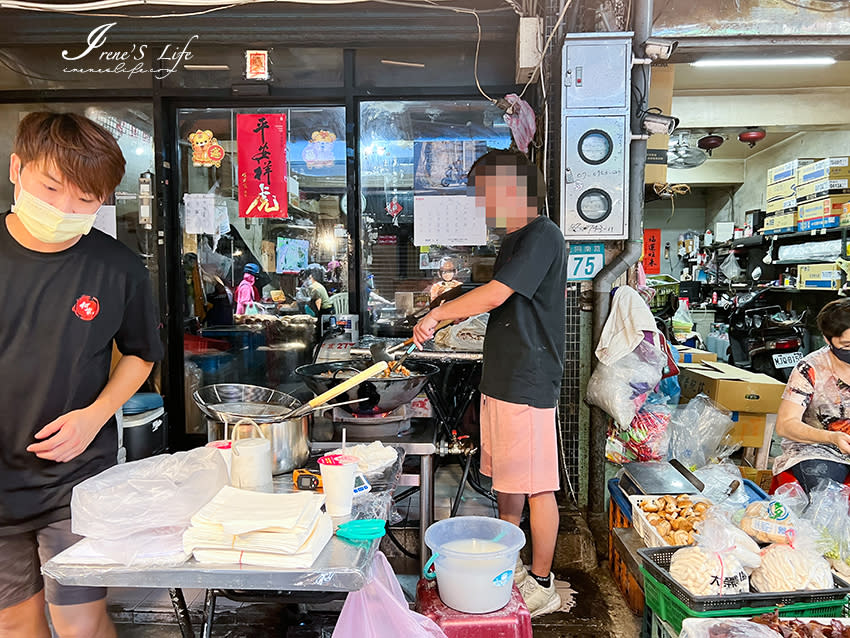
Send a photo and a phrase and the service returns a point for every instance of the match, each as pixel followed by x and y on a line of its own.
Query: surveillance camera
pixel 658 124
pixel 657 49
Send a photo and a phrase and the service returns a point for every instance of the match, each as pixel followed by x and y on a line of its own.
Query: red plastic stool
pixel 511 621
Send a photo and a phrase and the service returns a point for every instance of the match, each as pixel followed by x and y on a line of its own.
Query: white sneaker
pixel 520 572
pixel 540 600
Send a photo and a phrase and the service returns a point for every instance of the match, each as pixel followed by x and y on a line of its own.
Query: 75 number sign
pixel 585 261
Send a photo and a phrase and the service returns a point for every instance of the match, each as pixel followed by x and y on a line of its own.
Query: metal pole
pixel 642 27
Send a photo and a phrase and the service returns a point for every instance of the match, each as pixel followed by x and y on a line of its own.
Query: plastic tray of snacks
pixel 648 532
pixel 656 563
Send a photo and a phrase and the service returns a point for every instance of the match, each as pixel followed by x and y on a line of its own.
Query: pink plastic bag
pixel 379 610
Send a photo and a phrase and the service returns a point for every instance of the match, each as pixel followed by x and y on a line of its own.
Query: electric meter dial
pixel 594 205
pixel 595 147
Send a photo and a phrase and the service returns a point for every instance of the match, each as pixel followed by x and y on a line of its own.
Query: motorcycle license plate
pixel 787 359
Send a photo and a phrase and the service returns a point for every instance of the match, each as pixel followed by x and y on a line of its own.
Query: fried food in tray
pixel 674 517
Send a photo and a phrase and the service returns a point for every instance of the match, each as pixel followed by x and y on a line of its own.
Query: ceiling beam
pixel 713 172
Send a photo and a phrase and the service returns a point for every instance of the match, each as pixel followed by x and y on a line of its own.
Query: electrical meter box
pixel 596 102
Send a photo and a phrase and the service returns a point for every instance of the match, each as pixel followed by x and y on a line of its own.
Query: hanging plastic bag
pixel 696 430
pixel 379 610
pixel 682 320
pixel 621 389
pixel 160 491
pixel 730 267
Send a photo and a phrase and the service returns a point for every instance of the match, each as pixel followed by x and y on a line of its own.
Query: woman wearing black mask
pixel 814 416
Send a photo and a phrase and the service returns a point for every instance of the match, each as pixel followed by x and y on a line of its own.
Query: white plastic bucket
pixel 474 559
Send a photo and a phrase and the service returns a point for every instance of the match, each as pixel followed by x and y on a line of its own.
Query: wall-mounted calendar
pixel 448 220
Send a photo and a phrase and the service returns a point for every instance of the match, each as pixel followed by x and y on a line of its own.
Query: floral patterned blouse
pixel 815 385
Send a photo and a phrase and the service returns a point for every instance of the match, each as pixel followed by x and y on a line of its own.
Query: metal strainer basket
pixel 230 402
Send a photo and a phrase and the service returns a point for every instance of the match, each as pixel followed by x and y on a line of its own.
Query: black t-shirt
pixel 61 312
pixel 524 344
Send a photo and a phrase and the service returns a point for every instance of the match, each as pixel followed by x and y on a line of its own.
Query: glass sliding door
pixel 261 208
pixel 414 157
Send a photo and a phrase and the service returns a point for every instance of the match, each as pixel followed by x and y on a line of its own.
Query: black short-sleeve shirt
pixel 524 344
pixel 61 313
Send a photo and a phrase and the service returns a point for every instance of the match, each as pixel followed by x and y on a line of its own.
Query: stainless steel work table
pixel 342 566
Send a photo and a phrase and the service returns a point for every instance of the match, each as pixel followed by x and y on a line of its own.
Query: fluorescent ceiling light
pixel 206 67
pixel 808 61
pixel 416 65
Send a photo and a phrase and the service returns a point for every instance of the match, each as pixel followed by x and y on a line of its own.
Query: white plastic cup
pixel 251 464
pixel 338 471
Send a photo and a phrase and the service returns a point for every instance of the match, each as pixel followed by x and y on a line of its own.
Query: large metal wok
pixel 379 394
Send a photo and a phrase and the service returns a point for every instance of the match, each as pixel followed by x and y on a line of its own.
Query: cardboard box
pixel 822 222
pixel 762 478
pixel 823 207
pixel 820 276
pixel 782 190
pixel 829 168
pixel 822 187
pixel 782 223
pixel 694 355
pixel 735 389
pixel 779 205
pixel 788 170
pixel 749 428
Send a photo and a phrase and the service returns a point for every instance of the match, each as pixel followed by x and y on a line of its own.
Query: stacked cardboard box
pixel 822 188
pixel 782 196
pixel 750 396
pixel 819 276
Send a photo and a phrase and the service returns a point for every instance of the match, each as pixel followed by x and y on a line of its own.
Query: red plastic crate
pixel 512 621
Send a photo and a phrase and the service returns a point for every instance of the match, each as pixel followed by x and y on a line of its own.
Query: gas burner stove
pixel 368 427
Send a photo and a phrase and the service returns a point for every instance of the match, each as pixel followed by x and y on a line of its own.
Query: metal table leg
pixel 209 613
pixel 182 613
pixel 426 503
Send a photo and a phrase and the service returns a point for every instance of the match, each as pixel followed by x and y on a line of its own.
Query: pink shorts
pixel 519 447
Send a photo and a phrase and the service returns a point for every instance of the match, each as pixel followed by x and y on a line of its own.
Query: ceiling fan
pixel 680 153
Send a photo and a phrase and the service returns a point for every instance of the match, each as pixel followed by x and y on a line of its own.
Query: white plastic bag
pixel 718 478
pixel 379 610
pixel 160 491
pixel 696 431
pixel 621 389
pixel 730 267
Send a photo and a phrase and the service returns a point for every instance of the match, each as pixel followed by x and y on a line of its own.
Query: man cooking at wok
pixel 523 357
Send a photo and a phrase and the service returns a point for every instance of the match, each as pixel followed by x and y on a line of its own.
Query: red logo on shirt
pixel 86 307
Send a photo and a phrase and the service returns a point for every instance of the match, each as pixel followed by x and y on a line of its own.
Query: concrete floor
pixel 598 609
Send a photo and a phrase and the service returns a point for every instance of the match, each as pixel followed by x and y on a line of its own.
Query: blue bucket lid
pixel 142 402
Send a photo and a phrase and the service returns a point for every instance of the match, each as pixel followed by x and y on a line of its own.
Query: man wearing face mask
pixel 523 358
pixel 814 416
pixel 69 292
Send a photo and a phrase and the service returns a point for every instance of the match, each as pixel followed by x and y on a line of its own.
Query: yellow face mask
pixel 47 223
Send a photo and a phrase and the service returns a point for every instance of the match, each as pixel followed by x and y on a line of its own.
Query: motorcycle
pixel 765 338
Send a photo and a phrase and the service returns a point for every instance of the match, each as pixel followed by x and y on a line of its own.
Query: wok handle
pixel 357 379
pixel 408 342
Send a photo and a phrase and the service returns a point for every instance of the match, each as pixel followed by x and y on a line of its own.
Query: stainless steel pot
pixel 231 402
pixel 289 443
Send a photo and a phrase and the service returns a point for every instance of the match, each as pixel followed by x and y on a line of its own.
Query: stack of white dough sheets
pixel 258 528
